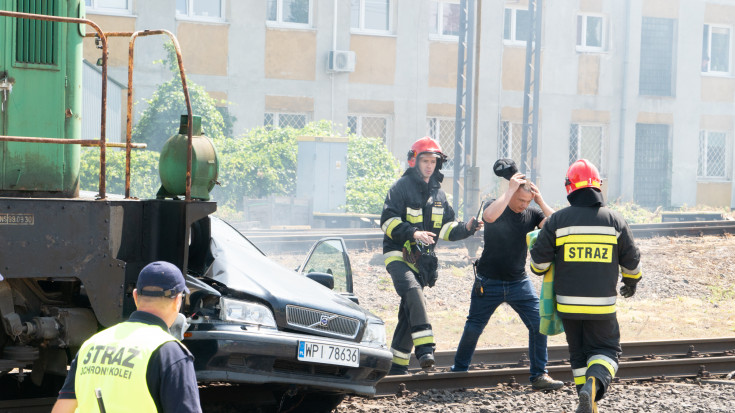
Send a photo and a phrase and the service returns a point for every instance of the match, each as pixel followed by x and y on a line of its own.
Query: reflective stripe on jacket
pixel 116 361
pixel 414 205
pixel 588 246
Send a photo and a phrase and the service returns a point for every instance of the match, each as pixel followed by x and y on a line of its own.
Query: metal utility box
pixel 322 172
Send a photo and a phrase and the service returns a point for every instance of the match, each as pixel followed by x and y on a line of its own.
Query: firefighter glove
pixel 627 291
pixel 428 265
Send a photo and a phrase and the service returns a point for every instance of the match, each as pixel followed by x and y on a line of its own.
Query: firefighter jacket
pixel 587 244
pixel 414 205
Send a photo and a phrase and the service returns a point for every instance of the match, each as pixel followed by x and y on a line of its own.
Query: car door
pixel 329 255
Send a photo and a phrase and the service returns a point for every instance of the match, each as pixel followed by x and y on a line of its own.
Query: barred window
pixel 285 120
pixel 509 144
pixel 716 49
pixel 442 130
pixel 657 57
pixel 712 155
pixel 369 126
pixel 586 142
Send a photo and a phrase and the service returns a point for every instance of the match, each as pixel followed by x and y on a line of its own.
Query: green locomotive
pixel 40 96
pixel 68 262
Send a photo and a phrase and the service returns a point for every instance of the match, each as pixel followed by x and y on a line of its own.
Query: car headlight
pixel 246 312
pixel 374 333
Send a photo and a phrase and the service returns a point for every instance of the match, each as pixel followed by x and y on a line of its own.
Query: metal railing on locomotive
pixel 102 142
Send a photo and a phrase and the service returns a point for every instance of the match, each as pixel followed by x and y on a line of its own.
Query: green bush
pixel 371 170
pixel 144 178
pixel 263 162
pixel 257 164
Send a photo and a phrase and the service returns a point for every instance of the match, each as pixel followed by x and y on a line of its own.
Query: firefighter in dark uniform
pixel 137 365
pixel 587 243
pixel 416 212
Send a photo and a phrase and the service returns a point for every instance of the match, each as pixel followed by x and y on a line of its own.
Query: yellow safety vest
pixel 116 361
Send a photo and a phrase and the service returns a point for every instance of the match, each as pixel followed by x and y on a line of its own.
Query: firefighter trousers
pixel 594 348
pixel 413 328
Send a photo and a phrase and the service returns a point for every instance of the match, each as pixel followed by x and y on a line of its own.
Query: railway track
pixel 704 357
pixel 641 360
pixel 275 241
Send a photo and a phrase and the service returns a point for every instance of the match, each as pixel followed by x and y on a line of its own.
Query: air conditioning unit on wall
pixel 341 61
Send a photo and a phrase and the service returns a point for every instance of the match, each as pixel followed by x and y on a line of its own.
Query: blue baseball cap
pixel 164 275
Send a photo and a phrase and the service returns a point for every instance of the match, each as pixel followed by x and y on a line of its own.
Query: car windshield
pixel 227 235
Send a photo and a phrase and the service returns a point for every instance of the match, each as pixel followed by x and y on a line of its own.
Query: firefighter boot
pixel 587 396
pixel 425 355
pixel 427 361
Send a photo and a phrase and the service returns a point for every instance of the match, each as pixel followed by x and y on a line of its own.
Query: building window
pixel 289 12
pixel 442 130
pixel 200 9
pixel 509 144
pixel 657 57
pixel 285 120
pixel 716 49
pixel 590 33
pixel 444 18
pixel 369 126
pixel 586 142
pixel 108 6
pixel 371 16
pixel 712 155
pixel 516 26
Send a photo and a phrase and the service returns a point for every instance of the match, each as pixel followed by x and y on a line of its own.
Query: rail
pixel 273 241
pixel 704 358
pixel 701 357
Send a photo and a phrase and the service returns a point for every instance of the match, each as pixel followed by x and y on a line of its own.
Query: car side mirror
pixel 322 278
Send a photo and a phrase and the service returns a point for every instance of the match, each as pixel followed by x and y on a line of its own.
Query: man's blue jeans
pixel 521 296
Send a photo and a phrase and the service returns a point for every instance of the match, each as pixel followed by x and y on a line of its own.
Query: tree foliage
pixel 160 120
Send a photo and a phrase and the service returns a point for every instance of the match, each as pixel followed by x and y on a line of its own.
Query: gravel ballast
pixel 690 397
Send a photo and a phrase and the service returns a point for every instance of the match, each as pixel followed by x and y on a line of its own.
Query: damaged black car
pixel 287 337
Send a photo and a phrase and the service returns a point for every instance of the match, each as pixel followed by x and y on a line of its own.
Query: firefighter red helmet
pixel 582 174
pixel 426 145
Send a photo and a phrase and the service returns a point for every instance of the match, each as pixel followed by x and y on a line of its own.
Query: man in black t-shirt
pixel 502 276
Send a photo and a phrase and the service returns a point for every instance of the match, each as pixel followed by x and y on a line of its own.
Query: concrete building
pixel 643 88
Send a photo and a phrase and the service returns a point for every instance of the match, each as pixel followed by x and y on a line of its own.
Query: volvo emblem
pixel 324 320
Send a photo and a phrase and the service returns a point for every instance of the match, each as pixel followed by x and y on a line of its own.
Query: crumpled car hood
pixel 241 267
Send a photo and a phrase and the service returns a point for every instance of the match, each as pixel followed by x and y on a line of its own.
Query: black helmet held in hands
pixel 505 168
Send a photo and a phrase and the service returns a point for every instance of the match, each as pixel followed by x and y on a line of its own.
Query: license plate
pixel 329 354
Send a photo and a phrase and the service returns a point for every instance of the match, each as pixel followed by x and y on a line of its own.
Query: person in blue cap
pixel 137 364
